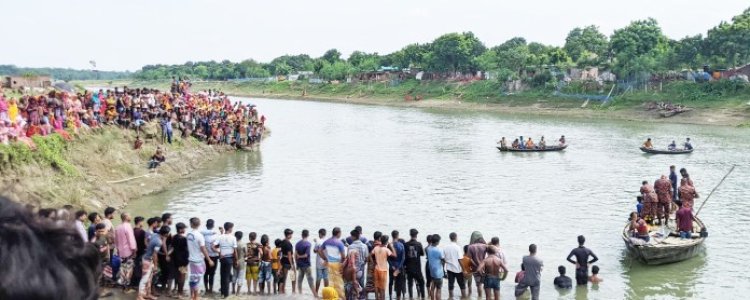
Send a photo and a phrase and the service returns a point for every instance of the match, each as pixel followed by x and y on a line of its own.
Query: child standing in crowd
pixel 252 259
pixel 179 258
pixel 276 264
pixel 265 278
pixel 103 245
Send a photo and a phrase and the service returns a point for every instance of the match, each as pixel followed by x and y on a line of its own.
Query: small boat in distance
pixel 545 149
pixel 664 151
pixel 664 250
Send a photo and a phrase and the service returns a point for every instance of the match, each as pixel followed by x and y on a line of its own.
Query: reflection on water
pixel 395 168
pixel 677 280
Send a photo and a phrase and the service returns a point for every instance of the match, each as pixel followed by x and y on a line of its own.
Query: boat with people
pixel 666 151
pixel 648 147
pixel 665 246
pixel 519 145
pixel 545 149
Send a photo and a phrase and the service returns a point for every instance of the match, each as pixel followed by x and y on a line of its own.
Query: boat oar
pixel 712 191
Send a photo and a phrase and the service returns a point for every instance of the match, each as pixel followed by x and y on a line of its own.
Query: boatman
pixel 688 145
pixel 581 253
pixel 663 188
pixel 503 143
pixel 648 144
pixel 649 201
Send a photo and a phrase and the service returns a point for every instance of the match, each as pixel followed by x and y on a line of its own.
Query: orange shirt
pixel 381 258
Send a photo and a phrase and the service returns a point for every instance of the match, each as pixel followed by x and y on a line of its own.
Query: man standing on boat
pixel 581 253
pixel 649 202
pixel 687 193
pixel 673 180
pixel 663 189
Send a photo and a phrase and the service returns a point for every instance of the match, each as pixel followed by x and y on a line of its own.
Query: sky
pixel 126 35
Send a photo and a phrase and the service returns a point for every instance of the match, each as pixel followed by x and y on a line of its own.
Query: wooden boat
pixel 664 250
pixel 546 149
pixel 657 151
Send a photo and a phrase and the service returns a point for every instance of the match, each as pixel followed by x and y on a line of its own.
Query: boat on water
pixel 664 151
pixel 545 149
pixel 665 248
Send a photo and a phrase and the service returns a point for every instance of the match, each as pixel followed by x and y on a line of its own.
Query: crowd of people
pixel 157 257
pixel 529 143
pixel 656 203
pixel 207 115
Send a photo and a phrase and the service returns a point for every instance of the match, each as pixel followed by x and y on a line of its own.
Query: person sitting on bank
pixel 672 146
pixel 530 144
pixel 595 279
pixel 684 218
pixel 688 145
pixel 542 143
pixel 503 143
pixel 515 144
pixel 157 159
pixel 648 144
pixel 138 143
pixel 562 281
pixel 561 141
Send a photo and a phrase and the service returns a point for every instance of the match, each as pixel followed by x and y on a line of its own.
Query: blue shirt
pixel 435 258
pixel 153 246
pixel 639 208
pixel 398 261
pixel 303 248
pixel 334 250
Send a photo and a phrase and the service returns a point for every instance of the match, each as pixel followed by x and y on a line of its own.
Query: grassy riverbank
pixel 97 169
pixel 718 103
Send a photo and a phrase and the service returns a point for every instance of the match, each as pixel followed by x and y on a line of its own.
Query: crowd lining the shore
pixel 156 256
pixel 207 115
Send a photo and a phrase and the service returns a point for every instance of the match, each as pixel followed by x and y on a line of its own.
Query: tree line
pixel 63 73
pixel 638 48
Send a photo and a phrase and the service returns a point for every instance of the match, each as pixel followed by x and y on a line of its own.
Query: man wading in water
pixel 490 268
pixel 582 263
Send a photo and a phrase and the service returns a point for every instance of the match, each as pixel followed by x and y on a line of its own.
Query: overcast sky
pixel 125 35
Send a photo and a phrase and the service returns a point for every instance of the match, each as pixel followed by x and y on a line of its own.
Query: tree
pixel 642 37
pixel 332 56
pixel 455 52
pixel 588 39
pixel 513 54
pixel 730 40
pixel 686 53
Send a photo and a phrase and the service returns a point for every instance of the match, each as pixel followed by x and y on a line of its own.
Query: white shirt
pixel 82 231
pixel 195 241
pixel 452 255
pixel 227 243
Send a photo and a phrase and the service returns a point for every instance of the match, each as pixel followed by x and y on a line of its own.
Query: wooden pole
pixel 712 191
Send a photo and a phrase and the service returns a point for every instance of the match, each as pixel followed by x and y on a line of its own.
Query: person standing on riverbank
pixel 436 259
pixel 252 259
pixel 197 258
pixel 226 245
pixel 361 260
pixel 209 235
pixel 413 262
pixel 286 259
pixel 581 253
pixel 381 253
pixel 151 259
pixel 532 276
pixel 396 274
pixel 334 252
pixel 477 252
pixel 321 270
pixel 126 248
pixel 453 266
pixel 302 256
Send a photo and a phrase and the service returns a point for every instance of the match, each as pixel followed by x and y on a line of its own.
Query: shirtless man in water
pixel 491 268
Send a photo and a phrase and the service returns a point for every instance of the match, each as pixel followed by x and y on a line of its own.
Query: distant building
pixel 36 81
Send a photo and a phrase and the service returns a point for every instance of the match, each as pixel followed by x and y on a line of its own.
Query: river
pixel 385 168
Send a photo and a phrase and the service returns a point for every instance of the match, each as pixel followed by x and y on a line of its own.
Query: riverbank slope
pixel 98 168
pixel 710 104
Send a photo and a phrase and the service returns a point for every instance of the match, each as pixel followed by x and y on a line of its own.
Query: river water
pixel 385 168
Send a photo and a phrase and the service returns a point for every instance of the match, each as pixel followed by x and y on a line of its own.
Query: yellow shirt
pixel 275 259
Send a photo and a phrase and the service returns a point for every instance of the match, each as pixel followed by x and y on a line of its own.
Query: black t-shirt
pixel 180 250
pixel 286 248
pixel 140 241
pixel 582 255
pixel 414 251
pixel 563 282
